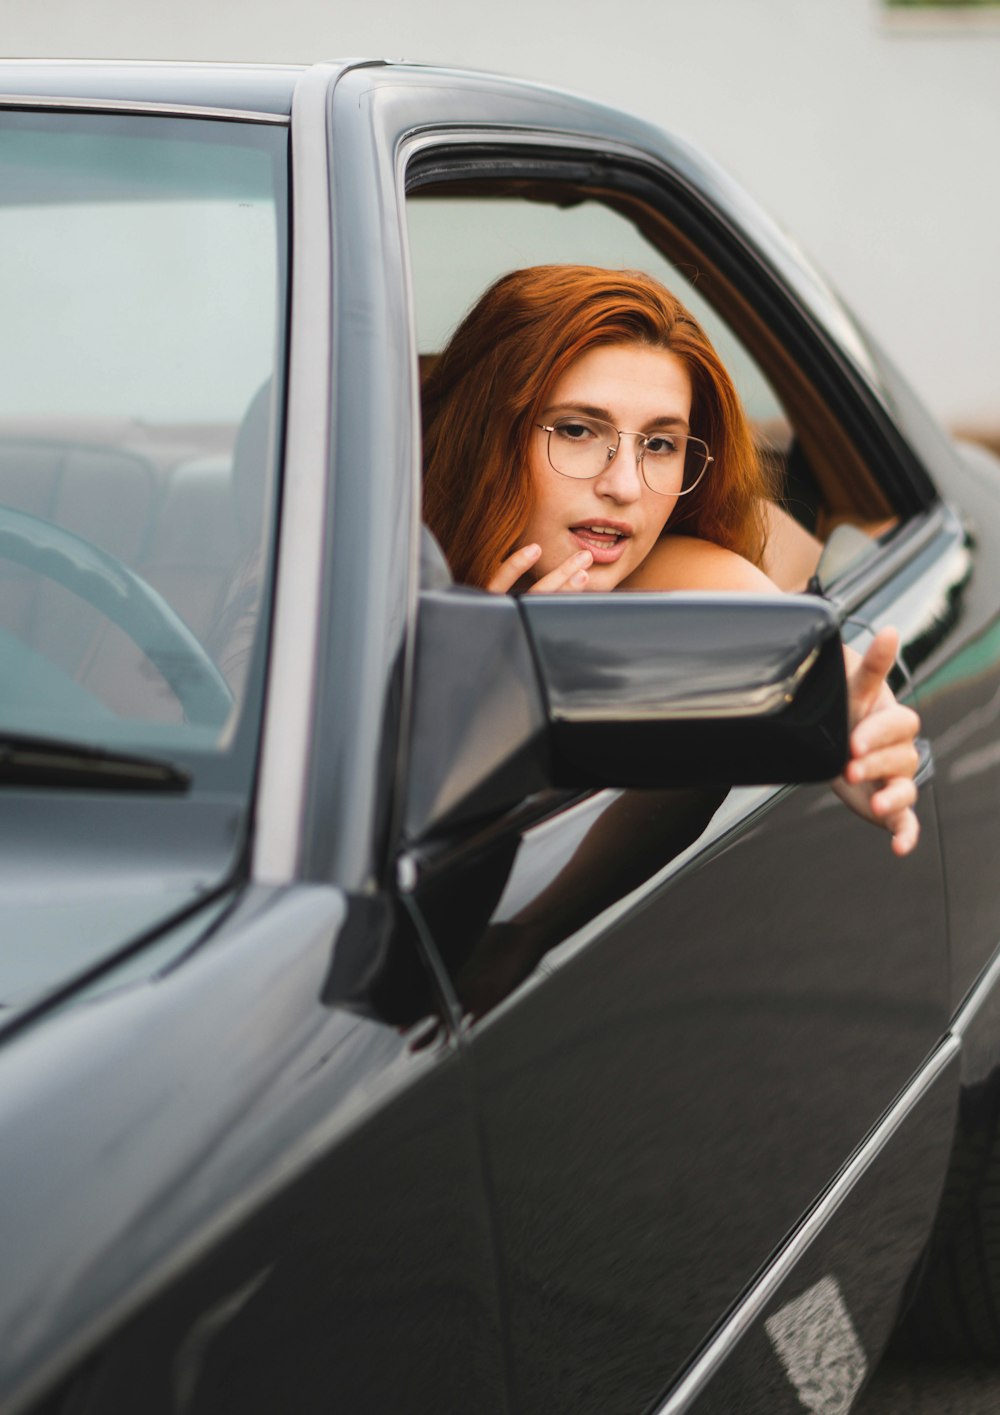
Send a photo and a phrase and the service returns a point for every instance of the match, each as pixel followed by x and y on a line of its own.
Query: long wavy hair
pixel 486 391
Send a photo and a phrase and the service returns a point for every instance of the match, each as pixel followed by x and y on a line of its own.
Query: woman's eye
pixel 661 444
pixel 574 432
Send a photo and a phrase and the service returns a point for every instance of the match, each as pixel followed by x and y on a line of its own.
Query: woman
pixel 575 415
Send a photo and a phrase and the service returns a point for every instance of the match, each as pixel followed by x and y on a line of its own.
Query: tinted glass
pixel 141 318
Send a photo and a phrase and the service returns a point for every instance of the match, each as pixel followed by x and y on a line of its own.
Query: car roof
pixel 264 89
pixel 236 87
pixel 251 88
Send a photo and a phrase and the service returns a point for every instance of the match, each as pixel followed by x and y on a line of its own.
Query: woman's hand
pixel 570 575
pixel 878 779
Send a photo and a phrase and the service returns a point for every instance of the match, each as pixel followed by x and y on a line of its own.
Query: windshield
pixel 141 322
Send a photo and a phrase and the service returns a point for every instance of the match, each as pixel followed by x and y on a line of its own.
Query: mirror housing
pixel 478 735
pixel 690 690
pixel 514 696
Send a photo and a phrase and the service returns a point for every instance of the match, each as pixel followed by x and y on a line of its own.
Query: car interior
pixel 182 508
pixel 137 410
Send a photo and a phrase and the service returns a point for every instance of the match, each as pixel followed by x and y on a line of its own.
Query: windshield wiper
pixel 50 761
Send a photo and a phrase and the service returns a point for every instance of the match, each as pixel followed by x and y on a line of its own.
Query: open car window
pixel 466 231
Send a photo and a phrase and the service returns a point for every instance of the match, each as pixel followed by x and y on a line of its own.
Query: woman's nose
pixel 622 477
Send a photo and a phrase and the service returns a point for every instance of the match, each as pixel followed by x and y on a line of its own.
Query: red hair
pixel 486 391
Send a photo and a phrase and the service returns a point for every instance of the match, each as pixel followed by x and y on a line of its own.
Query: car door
pixel 688 1012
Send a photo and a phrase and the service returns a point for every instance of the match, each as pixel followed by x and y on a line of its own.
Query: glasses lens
pixel 581 447
pixel 674 463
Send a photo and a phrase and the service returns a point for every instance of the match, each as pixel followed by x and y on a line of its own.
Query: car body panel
pixel 229 1166
pixel 816 1332
pixel 639 1065
pixel 86 879
pixel 959 693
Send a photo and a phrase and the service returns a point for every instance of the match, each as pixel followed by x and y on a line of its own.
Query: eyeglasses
pixel 672 463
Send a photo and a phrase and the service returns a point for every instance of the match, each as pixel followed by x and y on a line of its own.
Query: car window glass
pixel 141 292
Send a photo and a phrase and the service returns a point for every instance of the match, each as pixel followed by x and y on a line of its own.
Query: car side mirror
pixel 514 696
pixel 690 690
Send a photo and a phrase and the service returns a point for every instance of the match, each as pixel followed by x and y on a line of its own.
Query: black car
pixel 404 1010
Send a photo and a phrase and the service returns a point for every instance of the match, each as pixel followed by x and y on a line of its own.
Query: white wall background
pixel 877 143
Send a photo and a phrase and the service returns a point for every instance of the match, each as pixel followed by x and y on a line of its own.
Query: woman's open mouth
pixel 605 540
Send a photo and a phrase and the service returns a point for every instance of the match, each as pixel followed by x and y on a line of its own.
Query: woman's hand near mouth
pixel 570 575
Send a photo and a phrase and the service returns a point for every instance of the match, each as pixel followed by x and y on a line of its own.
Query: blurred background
pixel 869 128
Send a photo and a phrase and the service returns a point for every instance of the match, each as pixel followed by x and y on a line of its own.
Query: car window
pixel 141 291
pixel 462 238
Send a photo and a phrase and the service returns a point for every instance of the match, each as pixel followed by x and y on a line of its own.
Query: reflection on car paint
pixel 818 1346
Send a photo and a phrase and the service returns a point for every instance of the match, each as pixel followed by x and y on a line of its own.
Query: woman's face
pixel 614 515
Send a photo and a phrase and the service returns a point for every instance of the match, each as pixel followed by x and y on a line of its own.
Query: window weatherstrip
pixel 127 105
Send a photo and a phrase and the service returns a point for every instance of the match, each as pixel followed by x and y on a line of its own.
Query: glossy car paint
pixel 803 1338
pixel 711 1033
pixel 214 1120
pixel 519 1118
pixel 87 879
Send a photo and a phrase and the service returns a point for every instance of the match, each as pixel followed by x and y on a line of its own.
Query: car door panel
pixel 683 1073
pixel 686 1011
pixel 812 1329
pixel 684 1016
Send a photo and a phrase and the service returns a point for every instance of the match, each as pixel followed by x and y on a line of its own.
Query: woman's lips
pixel 606 542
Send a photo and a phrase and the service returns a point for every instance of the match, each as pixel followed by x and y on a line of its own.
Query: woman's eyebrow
pixel 587 409
pixel 590 411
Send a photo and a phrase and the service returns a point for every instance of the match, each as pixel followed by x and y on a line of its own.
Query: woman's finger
pixel 889 804
pixel 867 677
pixel 904 827
pixel 894 797
pixel 513 568
pixel 905 833
pixel 899 759
pixel 570 575
pixel 884 727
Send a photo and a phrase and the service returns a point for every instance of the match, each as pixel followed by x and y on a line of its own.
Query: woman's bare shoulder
pixel 686 563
